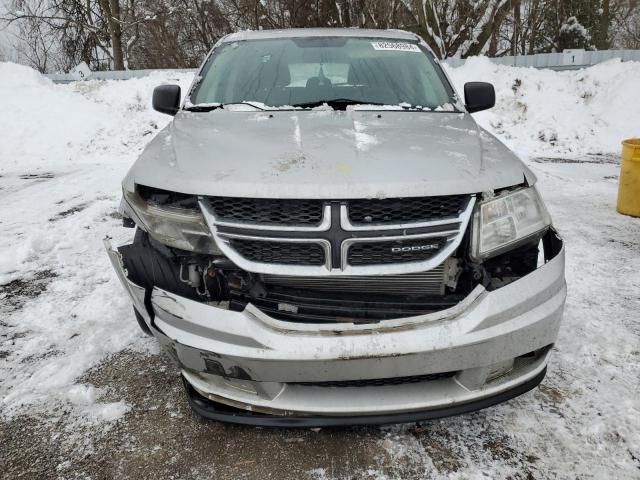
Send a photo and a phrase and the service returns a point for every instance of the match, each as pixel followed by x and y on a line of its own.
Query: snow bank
pixel 42 125
pixel 64 151
pixel 571 113
pixel 48 127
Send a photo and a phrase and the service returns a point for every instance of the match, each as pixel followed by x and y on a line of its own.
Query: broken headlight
pixel 177 227
pixel 505 221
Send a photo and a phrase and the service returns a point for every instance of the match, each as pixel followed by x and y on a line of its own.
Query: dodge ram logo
pixel 415 248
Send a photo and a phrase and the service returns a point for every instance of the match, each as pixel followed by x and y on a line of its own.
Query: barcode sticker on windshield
pixel 396 46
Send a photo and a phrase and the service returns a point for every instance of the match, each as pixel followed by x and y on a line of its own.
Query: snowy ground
pixel 84 394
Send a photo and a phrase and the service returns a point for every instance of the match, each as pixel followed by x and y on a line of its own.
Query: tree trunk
pixel 116 35
pixel 602 42
pixel 111 9
pixel 516 29
pixel 497 27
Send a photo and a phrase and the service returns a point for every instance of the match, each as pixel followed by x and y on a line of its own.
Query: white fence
pixel 566 60
pixel 111 75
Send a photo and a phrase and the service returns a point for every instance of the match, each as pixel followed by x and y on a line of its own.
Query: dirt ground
pixel 161 438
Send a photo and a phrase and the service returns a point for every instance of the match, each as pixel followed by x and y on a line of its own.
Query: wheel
pixel 143 325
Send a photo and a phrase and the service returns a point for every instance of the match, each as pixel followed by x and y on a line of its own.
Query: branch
pixel 48 19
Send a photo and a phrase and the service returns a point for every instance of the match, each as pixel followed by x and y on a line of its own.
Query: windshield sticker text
pixel 395 46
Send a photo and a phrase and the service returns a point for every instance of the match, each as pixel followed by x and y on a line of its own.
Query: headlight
pixel 176 227
pixel 504 221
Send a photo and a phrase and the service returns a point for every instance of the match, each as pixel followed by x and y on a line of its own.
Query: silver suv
pixel 324 236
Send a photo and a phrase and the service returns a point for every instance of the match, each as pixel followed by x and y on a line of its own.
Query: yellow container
pixel 629 191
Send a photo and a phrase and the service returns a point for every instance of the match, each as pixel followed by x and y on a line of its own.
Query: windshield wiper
pixel 213 106
pixel 335 103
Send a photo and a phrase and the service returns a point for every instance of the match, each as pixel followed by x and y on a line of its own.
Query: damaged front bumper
pixel 247 367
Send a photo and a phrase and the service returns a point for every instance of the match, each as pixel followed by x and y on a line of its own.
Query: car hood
pixel 326 154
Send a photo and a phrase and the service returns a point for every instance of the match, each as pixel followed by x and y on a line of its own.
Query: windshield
pixel 306 72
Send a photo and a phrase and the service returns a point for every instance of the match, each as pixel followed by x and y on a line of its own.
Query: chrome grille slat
pixel 337 235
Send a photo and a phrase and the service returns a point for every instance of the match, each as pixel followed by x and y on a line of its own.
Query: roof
pixel 320 32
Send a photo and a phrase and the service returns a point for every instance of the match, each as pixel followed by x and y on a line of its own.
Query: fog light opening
pixel 500 369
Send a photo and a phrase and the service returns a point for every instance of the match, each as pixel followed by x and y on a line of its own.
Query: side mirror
pixel 166 99
pixel 479 96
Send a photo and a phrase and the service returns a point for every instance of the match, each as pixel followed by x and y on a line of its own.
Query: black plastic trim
pixel 141 323
pixel 224 413
pixel 335 307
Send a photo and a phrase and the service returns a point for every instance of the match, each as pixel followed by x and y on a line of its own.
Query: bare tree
pixel 172 33
pixel 457 27
pixel 118 34
pixel 75 29
pixel 521 32
pixel 33 43
pixel 626 23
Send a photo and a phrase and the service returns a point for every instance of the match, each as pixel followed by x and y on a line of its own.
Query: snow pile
pixel 64 151
pixel 50 127
pixel 547 113
pixel 41 124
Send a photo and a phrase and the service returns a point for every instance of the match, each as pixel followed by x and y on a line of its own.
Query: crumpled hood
pixel 326 154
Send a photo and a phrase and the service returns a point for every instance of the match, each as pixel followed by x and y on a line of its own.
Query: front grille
pixel 405 210
pixel 284 253
pixel 380 382
pixel 264 211
pixel 394 251
pixel 411 284
pixel 345 237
